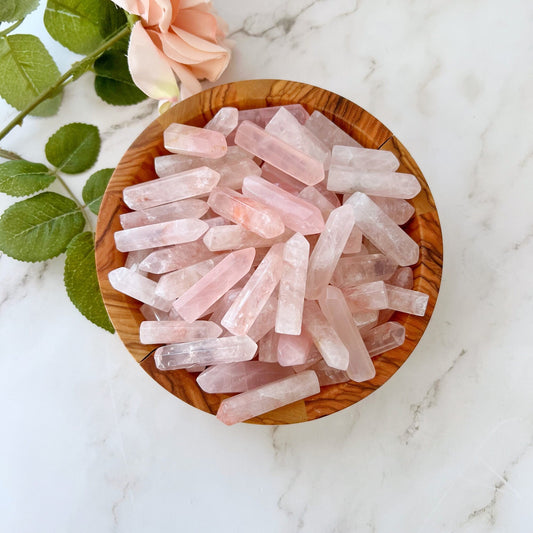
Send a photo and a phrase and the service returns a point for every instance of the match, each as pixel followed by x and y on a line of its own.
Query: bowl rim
pixel 135 167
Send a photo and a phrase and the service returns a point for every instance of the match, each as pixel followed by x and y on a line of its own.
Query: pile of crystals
pixel 269 256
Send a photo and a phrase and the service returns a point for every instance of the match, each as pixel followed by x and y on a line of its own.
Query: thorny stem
pixel 66 77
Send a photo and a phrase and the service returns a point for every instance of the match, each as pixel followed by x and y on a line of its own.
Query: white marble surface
pixel 90 444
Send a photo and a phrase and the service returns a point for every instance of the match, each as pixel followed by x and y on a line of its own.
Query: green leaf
pixel 20 178
pixel 81 281
pixel 113 83
pixel 27 70
pixel 40 227
pixel 12 10
pixel 73 148
pixel 95 187
pixel 81 26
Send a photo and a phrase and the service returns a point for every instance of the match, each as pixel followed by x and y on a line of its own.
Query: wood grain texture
pixel 136 166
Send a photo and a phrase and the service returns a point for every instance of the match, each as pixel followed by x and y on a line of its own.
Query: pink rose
pixel 175 38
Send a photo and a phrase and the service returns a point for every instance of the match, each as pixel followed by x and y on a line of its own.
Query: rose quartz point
pixel 172 331
pixel 294 349
pixel 279 154
pixel 328 132
pixel 364 158
pixel 398 210
pixel 265 320
pixel 313 196
pixel 211 351
pixel 387 236
pixel 281 179
pixel 224 121
pixel 367 296
pixel 327 375
pixel 263 115
pixel 365 320
pixel 265 398
pixel 354 242
pixel 356 269
pixel 240 377
pixel 151 313
pixel 251 214
pixel 198 142
pixel 384 338
pixel 135 258
pixel 268 347
pixel 336 310
pixel 235 237
pixel 407 301
pixel 211 287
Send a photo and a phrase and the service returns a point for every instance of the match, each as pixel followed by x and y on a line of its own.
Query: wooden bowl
pixel 137 166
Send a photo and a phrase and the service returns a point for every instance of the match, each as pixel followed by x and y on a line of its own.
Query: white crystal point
pixel 205 352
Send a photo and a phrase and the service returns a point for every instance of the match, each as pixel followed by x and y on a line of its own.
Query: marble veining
pixel 91 444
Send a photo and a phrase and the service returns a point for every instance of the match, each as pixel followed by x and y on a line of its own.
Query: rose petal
pixel 186 4
pixel 198 42
pixel 189 84
pixel 212 69
pixel 178 50
pixel 198 22
pixel 149 68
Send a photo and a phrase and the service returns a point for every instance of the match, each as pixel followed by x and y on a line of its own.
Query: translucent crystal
pixel 364 158
pixel 281 179
pixel 384 338
pixel 328 132
pixel 399 211
pixel 263 115
pixel 327 375
pixel 313 196
pixel 235 237
pixel 357 269
pixel 224 121
pixel 190 140
pixel 407 301
pixel 265 320
pixel 268 347
pixel 367 296
pixel 177 331
pixel 294 349
pixel 175 257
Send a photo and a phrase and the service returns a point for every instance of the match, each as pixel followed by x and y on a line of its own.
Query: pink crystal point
pixel 384 338
pixel 315 197
pixel 364 158
pixel 328 132
pixel 205 292
pixel 325 337
pixel 407 301
pixel 356 269
pixel 205 352
pixel 191 208
pixel 265 320
pixel 190 140
pixel 328 250
pixel 251 214
pixel 387 236
pixel 175 257
pixel 255 294
pixel 235 237
pixel 240 377
pixel 268 347
pixel 365 320
pixel 398 210
pixel 263 115
pixel 268 397
pixel 174 284
pixel 151 313
pixel 296 214
pixel 286 127
pixel 162 234
pixel 171 331
pixel 367 296
pixel 402 277
pixel 294 349
pixel 137 286
pixel 196 182
pixel 279 154
pixel 135 258
pixel 377 183
pixel 354 242
pixel 225 120
pixel 336 310
pixel 281 179
pixel 292 285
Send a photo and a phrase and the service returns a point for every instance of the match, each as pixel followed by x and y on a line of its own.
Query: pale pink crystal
pixel 190 208
pixel 365 320
pixel 196 182
pixel 292 286
pixel 268 397
pixel 286 127
pixel 199 142
pixel 367 296
pixel 294 349
pixel 135 258
pixel 364 158
pixel 407 301
pixel 254 295
pixel 356 269
pixel 176 257
pixel 225 120
pixel 325 338
pixel 151 313
pixel 328 250
pixel 384 338
pixel 313 196
pixel 137 286
pixel 162 234
pixel 399 211
pixel 331 196
pixel 328 132
pixel 221 307
pixel 174 284
pixel 327 375
pixel 235 237
pixel 377 183
pixel 263 115
pixel 387 236
pixel 313 357
pixel 171 331
pixel 281 179
pixel 336 310
pixel 402 277
pixel 354 242
pixel 279 154
pixel 251 214
pixel 211 351
pixel 268 347
pixel 205 292
pixel 240 377
pixel 265 320
pixel 296 214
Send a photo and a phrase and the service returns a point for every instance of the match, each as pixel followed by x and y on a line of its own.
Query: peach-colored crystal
pixel 235 237
pixel 224 121
pixel 171 331
pixel 367 296
pixel 328 132
pixel 357 269
pixel 268 347
pixel 294 349
pixel 199 142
